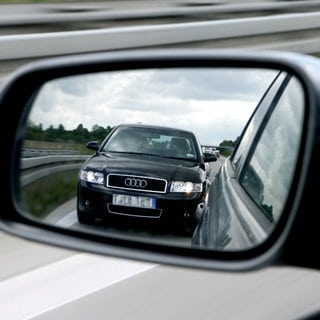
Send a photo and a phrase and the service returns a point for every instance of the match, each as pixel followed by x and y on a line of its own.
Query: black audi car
pixel 145 173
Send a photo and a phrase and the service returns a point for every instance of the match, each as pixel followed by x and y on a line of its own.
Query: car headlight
pixel 92 176
pixel 185 186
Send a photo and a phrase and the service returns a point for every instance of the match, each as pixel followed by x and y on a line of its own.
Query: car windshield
pixel 151 141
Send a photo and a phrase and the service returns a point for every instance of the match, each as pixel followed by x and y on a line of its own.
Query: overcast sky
pixel 213 103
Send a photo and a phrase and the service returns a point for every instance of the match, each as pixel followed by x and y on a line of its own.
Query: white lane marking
pixel 69 220
pixel 38 291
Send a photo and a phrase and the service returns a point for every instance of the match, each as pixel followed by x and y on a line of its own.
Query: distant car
pixel 144 172
pixel 211 150
pixel 216 151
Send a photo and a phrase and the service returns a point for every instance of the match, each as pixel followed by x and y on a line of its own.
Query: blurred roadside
pixel 32 29
pixel 21 17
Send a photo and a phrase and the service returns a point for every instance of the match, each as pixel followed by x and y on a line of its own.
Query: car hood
pixel 145 165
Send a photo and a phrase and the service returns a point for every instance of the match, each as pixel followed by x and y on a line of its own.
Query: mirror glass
pixel 148 154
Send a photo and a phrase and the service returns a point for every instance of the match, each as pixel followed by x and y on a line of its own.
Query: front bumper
pixel 170 207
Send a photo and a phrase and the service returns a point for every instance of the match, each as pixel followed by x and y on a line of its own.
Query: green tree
pixel 227 146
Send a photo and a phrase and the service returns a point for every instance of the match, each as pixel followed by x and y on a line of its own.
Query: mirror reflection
pixel 192 157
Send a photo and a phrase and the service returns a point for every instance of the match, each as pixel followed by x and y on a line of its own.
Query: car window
pixel 250 131
pixel 268 175
pixel 152 142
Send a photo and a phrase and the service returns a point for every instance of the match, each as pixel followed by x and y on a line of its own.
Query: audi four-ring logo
pixel 135 183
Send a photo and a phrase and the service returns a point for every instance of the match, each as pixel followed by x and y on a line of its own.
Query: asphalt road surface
pixel 41 282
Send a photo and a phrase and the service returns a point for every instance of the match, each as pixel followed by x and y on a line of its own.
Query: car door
pixel 251 188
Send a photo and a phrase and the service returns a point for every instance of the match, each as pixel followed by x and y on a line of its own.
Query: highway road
pixel 42 283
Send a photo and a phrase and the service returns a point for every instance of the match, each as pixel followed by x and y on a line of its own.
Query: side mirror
pixel 250 210
pixel 93 145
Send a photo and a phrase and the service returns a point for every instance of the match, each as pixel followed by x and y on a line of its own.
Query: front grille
pixel 136 212
pixel 137 183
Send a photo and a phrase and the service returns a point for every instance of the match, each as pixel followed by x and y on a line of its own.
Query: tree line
pixel 81 135
pixel 78 135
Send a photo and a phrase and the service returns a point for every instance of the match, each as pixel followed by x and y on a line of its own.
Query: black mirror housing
pixel 93 145
pixel 296 230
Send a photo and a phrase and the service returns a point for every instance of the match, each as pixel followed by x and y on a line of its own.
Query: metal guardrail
pixel 61 43
pixel 36 168
pixel 55 13
pixel 33 153
pixel 259 26
pixel 266 30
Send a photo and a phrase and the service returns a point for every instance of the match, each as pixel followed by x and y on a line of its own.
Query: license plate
pixel 133 201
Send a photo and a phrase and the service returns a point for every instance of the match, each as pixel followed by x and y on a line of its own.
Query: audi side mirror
pixel 93 145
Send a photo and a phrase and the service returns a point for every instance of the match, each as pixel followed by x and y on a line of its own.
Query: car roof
pixel 141 125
